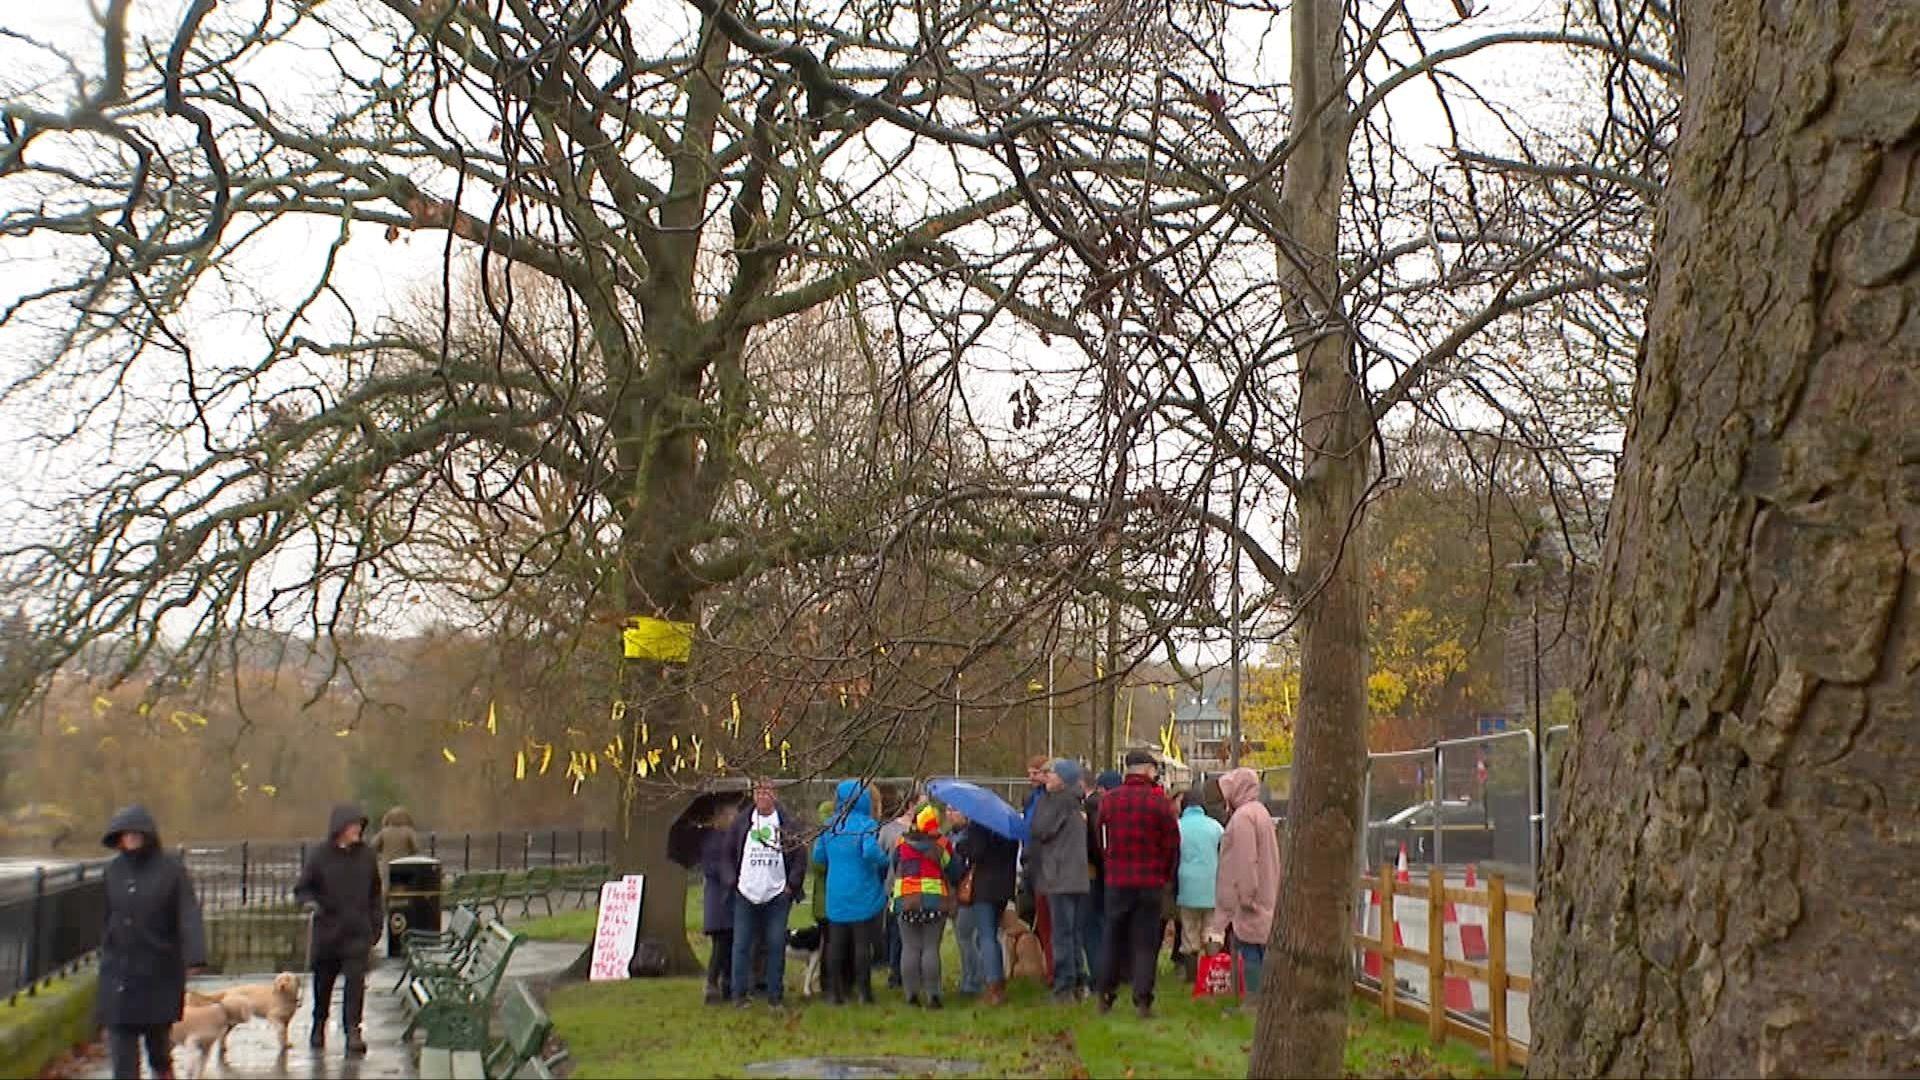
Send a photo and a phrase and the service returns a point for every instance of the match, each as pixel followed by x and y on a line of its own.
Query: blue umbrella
pixel 982 807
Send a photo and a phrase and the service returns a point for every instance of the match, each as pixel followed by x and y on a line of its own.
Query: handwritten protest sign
pixel 617 929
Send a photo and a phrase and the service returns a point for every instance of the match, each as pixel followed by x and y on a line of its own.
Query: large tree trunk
pixel 1731 887
pixel 1302 1025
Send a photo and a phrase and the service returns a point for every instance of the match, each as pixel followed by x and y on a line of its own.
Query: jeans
pixel 1093 931
pixel 920 957
pixel 964 937
pixel 1068 911
pixel 353 992
pixel 766 925
pixel 123 1045
pixel 850 960
pixel 1251 959
pixel 719 962
pixel 1133 941
pixel 991 964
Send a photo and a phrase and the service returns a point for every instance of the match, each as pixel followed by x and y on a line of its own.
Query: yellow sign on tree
pixel 647 638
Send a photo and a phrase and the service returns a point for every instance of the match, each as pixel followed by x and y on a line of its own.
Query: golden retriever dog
pixel 275 1002
pixel 1020 948
pixel 203 1026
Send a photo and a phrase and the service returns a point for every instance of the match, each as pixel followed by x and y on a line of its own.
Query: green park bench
pixel 516 1054
pixel 453 1007
pixel 439 952
pixel 538 883
pixel 585 881
pixel 477 888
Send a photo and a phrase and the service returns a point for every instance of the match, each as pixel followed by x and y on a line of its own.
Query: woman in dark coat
pixel 717 905
pixel 153 935
pixel 990 858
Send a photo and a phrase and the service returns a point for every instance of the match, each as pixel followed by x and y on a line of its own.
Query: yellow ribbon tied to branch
pixel 648 638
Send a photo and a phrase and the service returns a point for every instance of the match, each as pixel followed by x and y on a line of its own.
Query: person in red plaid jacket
pixel 1140 854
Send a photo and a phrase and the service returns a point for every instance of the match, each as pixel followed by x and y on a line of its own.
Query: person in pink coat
pixel 1248 885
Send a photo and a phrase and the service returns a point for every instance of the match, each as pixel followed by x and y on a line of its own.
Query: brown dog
pixel 1020 947
pixel 202 1025
pixel 275 1002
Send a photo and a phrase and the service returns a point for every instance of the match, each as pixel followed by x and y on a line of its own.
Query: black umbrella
pixel 689 831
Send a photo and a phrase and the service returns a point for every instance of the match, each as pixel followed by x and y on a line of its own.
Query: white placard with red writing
pixel 617 929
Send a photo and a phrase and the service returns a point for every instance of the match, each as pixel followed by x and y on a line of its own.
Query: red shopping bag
pixel 1214 975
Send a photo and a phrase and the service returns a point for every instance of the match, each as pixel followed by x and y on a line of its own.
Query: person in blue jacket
pixel 856 865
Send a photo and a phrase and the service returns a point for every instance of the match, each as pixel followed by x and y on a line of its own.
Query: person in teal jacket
pixel 1199 863
pixel 856 865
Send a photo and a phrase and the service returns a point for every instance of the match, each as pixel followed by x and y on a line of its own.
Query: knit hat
pixel 1068 771
pixel 1108 780
pixel 927 820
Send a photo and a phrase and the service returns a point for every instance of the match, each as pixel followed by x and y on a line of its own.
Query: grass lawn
pixel 659 1027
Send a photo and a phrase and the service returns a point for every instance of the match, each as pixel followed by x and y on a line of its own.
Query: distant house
pixel 1202 721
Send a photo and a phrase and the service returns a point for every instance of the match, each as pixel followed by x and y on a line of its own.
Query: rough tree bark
pixel 1731 887
pixel 1302 1025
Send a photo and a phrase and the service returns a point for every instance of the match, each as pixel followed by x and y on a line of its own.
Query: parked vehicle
pixel 1467 829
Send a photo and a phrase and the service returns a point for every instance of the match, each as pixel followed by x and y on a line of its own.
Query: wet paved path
pixel 253 1049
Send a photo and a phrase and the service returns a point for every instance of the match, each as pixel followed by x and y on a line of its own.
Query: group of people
pixel 1113 864
pixel 154 936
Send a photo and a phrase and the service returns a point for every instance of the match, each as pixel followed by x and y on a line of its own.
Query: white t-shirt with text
pixel 763 869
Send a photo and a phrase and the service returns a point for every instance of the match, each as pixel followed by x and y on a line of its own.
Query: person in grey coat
pixel 1058 867
pixel 342 881
pixel 152 938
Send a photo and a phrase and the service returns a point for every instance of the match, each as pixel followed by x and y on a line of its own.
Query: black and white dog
pixel 803 954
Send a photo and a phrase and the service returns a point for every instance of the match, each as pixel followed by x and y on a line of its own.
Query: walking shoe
pixel 913 999
pixel 356 1046
pixel 1144 1011
pixel 317 1040
pixel 866 994
pixel 1083 993
pixel 1064 997
pixel 742 1002
pixel 996 994
pixel 1106 1004
pixel 933 1002
pixel 715 997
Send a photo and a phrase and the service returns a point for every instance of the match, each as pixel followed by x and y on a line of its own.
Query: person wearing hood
pixel 342 882
pixel 1058 863
pixel 925 872
pixel 1247 885
pixel 764 870
pixel 1199 863
pixel 397 838
pixel 153 936
pixel 856 865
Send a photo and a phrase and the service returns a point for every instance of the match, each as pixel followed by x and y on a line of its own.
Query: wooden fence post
pixel 1387 938
pixel 1436 956
pixel 1497 967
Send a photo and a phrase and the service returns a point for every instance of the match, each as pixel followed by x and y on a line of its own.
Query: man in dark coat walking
pixel 153 935
pixel 342 881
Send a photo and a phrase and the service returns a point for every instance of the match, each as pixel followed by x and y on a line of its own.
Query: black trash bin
pixel 413 899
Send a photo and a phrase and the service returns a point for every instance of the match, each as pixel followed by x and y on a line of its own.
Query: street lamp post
pixel 1233 594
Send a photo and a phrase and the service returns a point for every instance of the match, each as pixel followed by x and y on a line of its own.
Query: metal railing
pixel 52 925
pixel 250 874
